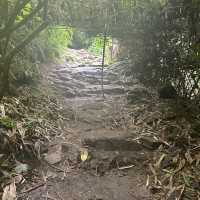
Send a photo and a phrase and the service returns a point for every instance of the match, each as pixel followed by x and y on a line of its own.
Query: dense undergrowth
pixel 52 43
pixel 27 125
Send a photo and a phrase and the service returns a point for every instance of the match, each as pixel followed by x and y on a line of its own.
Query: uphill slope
pixel 97 130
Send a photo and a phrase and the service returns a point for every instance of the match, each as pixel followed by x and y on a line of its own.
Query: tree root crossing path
pixel 97 155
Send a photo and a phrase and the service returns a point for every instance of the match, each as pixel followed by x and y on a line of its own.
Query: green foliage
pixel 19 26
pixel 21 22
pixel 53 41
pixel 96 46
pixel 80 40
pixel 7 122
pixel 24 12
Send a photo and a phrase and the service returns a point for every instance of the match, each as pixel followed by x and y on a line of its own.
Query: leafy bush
pixel 49 45
pixel 52 42
pixel 80 40
pixel 96 47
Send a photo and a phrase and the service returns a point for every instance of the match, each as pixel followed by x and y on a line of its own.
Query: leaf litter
pixel 27 124
pixel 174 170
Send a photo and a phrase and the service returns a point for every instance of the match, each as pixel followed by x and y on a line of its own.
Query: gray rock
pixel 54 154
pixel 62 151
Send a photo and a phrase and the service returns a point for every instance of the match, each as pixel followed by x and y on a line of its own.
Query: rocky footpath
pixel 130 133
pixel 96 156
pixel 125 144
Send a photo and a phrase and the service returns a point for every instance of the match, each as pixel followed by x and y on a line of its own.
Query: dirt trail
pixel 114 169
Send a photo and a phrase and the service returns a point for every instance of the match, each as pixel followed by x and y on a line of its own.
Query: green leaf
pixel 7 122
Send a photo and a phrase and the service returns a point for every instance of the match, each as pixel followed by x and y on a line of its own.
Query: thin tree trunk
pixel 26 41
pixel 5 61
pixel 103 63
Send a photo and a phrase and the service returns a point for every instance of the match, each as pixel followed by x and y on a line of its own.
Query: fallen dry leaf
pixel 9 192
pixel 84 154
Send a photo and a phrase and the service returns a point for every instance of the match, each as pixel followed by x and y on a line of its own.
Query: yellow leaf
pixel 84 154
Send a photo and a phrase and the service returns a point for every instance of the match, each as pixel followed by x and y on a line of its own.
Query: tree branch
pixel 18 7
pixel 28 17
pixel 26 41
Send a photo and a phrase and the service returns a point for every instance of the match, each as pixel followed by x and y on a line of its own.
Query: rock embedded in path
pixel 54 154
pixel 62 151
pixel 113 144
pixel 71 152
